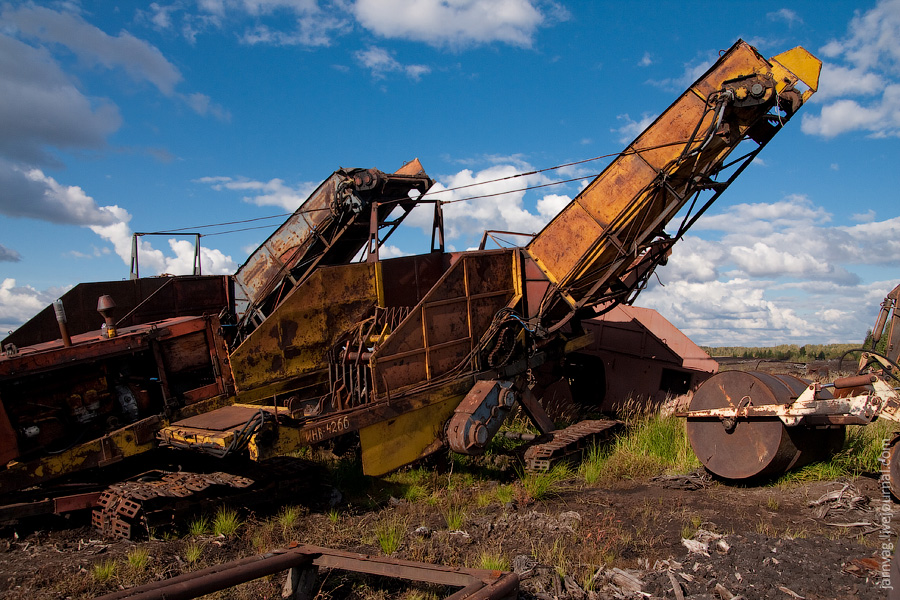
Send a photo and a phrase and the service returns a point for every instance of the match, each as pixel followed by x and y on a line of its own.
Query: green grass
pixel 652 445
pixel 493 561
pixel 389 534
pixel 199 526
pixel 288 517
pixel 226 522
pixel 455 516
pixel 104 571
pixel 540 485
pixel 138 558
pixel 505 493
pixel 862 448
pixel 192 552
pixel 334 516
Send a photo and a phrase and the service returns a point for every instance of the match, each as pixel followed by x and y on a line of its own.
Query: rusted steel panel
pixel 331 227
pixel 228 417
pixel 442 330
pixel 655 144
pixel 91 346
pixel 294 341
pixel 150 299
pixel 258 275
pixel 594 240
pixel 407 279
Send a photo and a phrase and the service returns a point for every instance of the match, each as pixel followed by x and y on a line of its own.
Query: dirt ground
pixel 624 541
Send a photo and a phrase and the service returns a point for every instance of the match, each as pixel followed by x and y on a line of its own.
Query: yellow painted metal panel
pixel 391 444
pixel 802 64
pixel 294 340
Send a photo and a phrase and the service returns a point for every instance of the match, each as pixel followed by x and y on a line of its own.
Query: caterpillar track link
pixel 568 443
pixel 127 510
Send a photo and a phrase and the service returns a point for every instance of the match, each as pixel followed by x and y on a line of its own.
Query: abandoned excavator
pixel 305 343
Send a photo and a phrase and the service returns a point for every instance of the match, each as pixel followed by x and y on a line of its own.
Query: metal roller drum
pixel 759 447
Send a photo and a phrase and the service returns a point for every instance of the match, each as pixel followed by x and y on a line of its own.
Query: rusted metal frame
pixel 612 268
pixel 373 245
pixel 58 505
pixel 685 226
pixel 889 313
pixel 468 291
pixel 215 361
pixel 144 301
pixel 315 431
pixel 437 227
pixel 476 584
pixel 807 405
pixel 216 578
pixel 536 412
pixel 488 234
pixel 135 250
pixel 493 584
pixel 479 296
pixel 170 404
pixel 425 347
pixel 86 348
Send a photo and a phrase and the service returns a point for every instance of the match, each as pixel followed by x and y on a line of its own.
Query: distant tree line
pixel 788 352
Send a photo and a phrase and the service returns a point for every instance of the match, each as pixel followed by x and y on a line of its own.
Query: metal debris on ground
pixel 695 480
pixel 847 507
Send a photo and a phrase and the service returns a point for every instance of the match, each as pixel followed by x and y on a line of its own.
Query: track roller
pixel 744 448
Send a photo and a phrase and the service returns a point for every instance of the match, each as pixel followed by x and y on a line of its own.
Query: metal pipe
pixel 506 586
pixel 217 578
pixel 61 320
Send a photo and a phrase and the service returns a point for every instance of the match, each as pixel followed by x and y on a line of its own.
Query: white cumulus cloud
pixel 274 192
pixel 454 23
pixel 776 272
pixel 381 62
pixel 860 89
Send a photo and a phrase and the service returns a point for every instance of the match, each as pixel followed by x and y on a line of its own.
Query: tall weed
pixel 652 444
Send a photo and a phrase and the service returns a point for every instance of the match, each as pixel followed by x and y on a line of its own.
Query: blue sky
pixel 117 118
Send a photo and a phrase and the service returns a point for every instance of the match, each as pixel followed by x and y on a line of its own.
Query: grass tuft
pixel 455 516
pixel 199 526
pixel 389 534
pixel 226 522
pixel 493 561
pixel 540 485
pixel 192 552
pixel 138 558
pixel 862 448
pixel 104 571
pixel 288 517
pixel 653 444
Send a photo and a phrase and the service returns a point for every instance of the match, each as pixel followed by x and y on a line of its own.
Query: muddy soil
pixel 636 539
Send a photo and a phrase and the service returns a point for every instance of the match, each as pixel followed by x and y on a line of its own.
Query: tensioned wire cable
pixel 445 190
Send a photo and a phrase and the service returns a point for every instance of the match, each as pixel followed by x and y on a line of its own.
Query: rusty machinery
pixel 744 425
pixel 325 338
